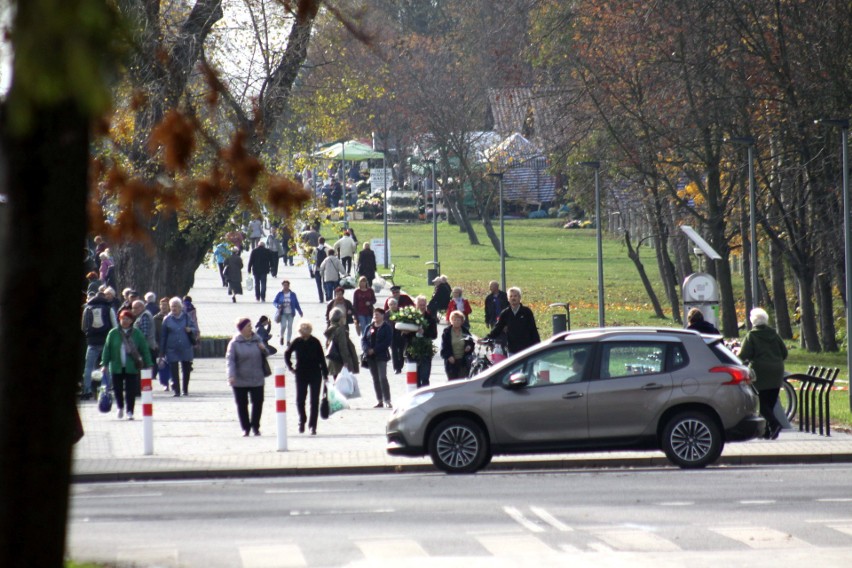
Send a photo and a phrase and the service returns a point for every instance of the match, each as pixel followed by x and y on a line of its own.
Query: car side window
pixel 633 358
pixel 566 364
pixel 679 357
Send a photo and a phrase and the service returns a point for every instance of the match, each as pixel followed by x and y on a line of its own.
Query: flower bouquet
pixel 408 318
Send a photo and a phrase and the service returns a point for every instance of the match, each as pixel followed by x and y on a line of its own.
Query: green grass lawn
pixel 551 264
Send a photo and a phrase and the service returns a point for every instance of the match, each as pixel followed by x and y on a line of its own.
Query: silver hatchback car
pixel 590 390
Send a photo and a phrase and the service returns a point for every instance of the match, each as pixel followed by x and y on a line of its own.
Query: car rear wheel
pixel 692 440
pixel 458 445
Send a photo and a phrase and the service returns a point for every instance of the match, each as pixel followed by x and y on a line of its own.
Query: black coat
pixel 310 358
pixel 440 298
pixel 367 264
pixel 520 328
pixel 259 261
pixel 495 305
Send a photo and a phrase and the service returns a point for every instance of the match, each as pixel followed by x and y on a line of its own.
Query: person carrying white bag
pixel 347 384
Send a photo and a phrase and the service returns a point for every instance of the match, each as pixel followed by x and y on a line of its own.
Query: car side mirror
pixel 517 380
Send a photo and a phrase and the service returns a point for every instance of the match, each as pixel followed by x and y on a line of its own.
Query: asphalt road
pixel 745 516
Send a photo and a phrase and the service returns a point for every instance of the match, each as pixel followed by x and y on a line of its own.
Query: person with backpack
pixel 332 271
pixel 98 319
pixel 320 254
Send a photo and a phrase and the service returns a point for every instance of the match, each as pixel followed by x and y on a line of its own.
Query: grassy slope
pixel 550 265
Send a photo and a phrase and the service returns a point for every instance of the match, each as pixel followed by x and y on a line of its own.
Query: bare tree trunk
pixel 46 181
pixel 807 314
pixel 779 292
pixel 633 254
pixel 826 312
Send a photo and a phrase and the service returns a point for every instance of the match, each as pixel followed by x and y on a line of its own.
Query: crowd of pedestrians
pixel 127 334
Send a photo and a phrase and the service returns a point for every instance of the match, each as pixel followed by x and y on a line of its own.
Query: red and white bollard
pixel 281 408
pixel 147 412
pixel 411 375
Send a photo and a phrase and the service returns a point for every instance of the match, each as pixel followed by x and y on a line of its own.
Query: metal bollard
pixel 281 407
pixel 411 375
pixel 147 412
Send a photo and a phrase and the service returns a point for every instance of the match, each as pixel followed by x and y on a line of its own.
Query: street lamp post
pixel 599 236
pixel 843 124
pixel 748 142
pixel 431 163
pixel 385 206
pixel 343 181
pixel 499 176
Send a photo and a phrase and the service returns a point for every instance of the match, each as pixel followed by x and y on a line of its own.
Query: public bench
pixel 814 398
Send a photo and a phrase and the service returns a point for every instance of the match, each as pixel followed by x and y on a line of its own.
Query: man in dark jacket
pixel 259 266
pixel 495 302
pixel 519 324
pixel 98 319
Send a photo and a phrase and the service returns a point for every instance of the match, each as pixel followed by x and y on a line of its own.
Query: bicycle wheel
pixel 787 398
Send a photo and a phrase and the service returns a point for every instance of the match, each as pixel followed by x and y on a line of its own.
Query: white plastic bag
pixel 249 284
pixel 336 401
pixel 347 384
pixel 378 284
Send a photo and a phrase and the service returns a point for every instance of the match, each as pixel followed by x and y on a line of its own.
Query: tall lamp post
pixel 748 142
pixel 599 236
pixel 431 163
pixel 843 125
pixel 499 176
pixel 385 205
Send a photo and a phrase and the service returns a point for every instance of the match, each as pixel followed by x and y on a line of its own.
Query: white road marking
pixel 272 556
pixel 522 520
pixel 147 556
pixel 599 547
pixel 835 500
pixel 635 540
pixel 761 537
pixel 521 546
pixel 758 501
pixel 385 549
pixel 676 503
pixel 118 496
pixel 297 491
pixel 845 529
pixel 550 519
pixel 825 521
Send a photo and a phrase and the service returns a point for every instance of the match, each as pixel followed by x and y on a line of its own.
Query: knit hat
pixel 242 323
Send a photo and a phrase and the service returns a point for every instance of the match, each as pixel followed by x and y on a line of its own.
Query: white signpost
pixel 378 246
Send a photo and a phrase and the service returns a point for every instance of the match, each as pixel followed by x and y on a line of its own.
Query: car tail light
pixel 739 375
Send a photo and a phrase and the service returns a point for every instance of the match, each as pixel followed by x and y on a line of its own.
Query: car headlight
pixel 413 401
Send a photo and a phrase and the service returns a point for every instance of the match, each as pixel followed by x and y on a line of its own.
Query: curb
pixel 506 466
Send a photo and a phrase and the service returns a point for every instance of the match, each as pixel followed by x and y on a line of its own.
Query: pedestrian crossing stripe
pixel 761 537
pixel 391 548
pixel 635 540
pixel 272 556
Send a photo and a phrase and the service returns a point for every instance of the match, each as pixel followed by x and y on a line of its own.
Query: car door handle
pixel 652 387
pixel 572 394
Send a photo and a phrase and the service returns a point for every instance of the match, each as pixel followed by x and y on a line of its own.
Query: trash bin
pixel 560 323
pixel 434 272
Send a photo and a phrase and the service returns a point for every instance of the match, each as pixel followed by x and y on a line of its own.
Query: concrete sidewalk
pixel 199 436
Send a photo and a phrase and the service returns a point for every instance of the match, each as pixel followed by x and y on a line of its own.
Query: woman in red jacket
pixel 459 303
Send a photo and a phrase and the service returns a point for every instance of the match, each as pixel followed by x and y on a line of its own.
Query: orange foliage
pixel 176 134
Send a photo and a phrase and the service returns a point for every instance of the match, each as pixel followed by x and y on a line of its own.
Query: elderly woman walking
pixel 765 352
pixel 244 360
pixel 125 354
pixel 179 334
pixel 340 352
pixel 310 370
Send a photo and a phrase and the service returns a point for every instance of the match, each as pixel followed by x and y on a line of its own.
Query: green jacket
pixel 111 356
pixel 764 351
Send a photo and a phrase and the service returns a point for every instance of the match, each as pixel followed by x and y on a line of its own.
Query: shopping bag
pixel 249 284
pixel 336 401
pixel 104 400
pixel 347 384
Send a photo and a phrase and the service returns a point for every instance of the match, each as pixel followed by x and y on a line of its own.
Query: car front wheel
pixel 692 440
pixel 458 445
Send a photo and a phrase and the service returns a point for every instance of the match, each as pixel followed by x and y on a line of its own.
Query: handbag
pixel 324 411
pixel 264 362
pixel 192 339
pixel 277 317
pixel 104 400
pixel 334 353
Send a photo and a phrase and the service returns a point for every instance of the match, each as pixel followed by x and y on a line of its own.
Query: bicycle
pixel 488 352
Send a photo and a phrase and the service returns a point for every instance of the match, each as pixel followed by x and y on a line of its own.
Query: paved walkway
pixel 199 435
